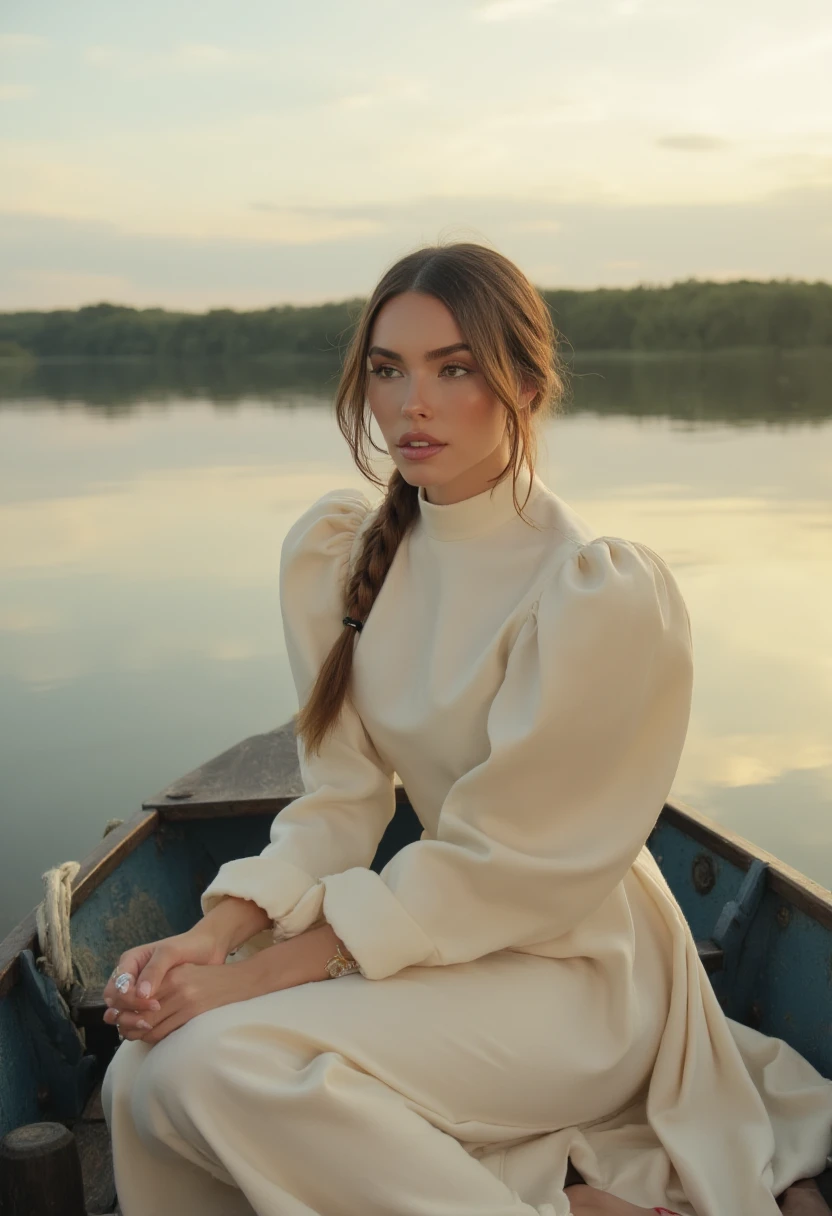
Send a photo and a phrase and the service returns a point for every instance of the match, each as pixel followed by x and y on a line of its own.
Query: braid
pixel 396 514
pixel 393 519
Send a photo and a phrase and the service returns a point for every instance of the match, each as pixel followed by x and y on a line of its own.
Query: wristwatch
pixel 342 962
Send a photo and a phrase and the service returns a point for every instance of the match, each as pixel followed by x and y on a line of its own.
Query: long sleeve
pixel 585 732
pixel 349 795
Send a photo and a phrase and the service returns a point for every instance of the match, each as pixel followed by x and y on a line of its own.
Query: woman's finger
pixel 130 1025
pixel 156 967
pixel 122 982
pixel 133 1004
pixel 167 1025
pixel 149 1030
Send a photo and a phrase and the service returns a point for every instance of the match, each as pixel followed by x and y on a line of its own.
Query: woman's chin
pixel 420 472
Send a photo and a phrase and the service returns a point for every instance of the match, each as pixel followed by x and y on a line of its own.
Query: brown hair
pixel 508 326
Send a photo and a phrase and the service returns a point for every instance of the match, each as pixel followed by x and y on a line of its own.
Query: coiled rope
pixel 52 920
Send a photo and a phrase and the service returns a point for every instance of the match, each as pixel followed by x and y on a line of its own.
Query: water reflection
pixel 141 519
pixel 755 386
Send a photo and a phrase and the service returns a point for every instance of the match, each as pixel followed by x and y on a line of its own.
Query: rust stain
pixel 87 962
pixel 141 921
pixel 142 916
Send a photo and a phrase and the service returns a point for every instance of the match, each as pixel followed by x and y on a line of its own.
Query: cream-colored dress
pixel 529 990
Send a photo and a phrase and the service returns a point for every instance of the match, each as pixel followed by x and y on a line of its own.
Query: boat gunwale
pixel 784 880
pixel 98 864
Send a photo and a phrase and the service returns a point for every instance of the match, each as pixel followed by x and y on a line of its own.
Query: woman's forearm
pixel 298 960
pixel 234 921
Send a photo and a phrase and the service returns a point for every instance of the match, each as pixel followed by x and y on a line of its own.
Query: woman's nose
pixel 415 408
pixel 415 397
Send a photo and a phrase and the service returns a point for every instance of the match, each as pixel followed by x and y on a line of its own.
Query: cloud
pixel 789 53
pixel 799 167
pixel 577 244
pixel 15 92
pixel 692 143
pixel 309 225
pixel 193 57
pixel 104 56
pixel 204 55
pixel 36 619
pixel 509 10
pixel 20 42
pixel 598 15
pixel 386 91
pixel 543 225
pixel 66 288
pixel 562 112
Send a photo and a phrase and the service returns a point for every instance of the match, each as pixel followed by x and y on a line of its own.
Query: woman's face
pixel 417 384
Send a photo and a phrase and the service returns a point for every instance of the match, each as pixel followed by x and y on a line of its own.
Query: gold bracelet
pixel 342 962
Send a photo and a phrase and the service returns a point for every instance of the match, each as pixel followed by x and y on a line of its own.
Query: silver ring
pixel 123 982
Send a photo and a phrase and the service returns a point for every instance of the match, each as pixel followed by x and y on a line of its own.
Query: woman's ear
pixel 528 392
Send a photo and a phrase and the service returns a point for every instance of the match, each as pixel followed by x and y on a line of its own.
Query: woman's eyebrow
pixel 429 355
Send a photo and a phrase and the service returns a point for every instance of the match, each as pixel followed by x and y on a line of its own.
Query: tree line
pixel 692 315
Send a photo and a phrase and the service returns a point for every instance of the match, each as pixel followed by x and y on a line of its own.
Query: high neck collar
pixel 477 515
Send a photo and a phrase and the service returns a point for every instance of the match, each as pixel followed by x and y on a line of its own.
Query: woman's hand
pixel 186 990
pixel 148 965
pixel 190 989
pixel 208 943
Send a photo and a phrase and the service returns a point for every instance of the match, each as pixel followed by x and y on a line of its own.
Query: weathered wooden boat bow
pixel 764 934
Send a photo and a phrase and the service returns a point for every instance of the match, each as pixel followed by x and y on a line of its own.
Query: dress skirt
pixel 467 1089
pixel 408 1095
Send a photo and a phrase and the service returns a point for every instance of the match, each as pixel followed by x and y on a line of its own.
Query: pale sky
pixel 199 154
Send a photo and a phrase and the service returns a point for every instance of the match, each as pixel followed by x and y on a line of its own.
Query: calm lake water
pixel 142 511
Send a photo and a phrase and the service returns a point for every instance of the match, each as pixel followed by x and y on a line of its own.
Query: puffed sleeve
pixel 586 731
pixel 349 795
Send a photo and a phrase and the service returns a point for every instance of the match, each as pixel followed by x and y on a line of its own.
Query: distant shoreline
pixel 303 358
pixel 692 316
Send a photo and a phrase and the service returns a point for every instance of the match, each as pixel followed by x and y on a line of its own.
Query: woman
pixel 518 989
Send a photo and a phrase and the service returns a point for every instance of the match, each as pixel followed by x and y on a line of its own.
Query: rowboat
pixel 763 930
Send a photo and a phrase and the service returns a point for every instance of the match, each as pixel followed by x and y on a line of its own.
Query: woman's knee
pixel 120 1075
pixel 206 1062
pixel 176 1070
pixel 202 1062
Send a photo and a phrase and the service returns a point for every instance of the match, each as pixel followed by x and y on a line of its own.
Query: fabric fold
pixel 585 735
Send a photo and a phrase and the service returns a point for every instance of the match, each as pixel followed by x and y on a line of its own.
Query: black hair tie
pixel 357 625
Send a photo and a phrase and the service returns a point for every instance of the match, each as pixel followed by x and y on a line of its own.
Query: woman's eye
pixel 387 367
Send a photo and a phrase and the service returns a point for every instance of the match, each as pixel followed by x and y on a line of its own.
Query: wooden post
pixel 40 1172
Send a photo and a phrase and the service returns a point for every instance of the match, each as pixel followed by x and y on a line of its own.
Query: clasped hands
pixel 176 978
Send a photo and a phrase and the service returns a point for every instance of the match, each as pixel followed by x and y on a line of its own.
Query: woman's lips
pixel 421 453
